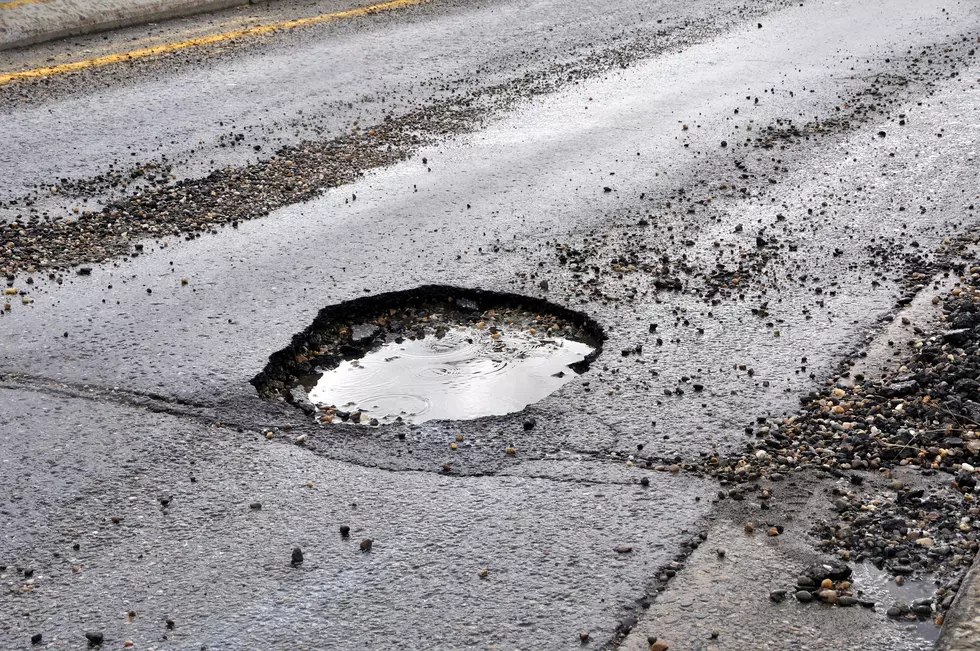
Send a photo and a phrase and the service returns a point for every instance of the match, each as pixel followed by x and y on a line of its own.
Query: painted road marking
pixel 164 48
pixel 16 3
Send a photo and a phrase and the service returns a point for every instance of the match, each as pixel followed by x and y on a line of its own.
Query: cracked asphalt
pixel 741 195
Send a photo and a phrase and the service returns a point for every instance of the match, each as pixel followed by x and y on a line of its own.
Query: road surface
pixel 784 174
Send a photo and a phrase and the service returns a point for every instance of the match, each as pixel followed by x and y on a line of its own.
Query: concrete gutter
pixel 28 22
pixel 961 630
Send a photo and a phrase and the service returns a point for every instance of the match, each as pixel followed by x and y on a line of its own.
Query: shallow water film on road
pixel 459 374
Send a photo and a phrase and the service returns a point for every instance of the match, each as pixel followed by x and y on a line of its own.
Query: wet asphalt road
pixel 121 386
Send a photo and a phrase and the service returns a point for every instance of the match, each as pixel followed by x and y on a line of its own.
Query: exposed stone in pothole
pixel 432 353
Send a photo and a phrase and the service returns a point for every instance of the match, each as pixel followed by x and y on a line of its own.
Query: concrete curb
pixel 961 630
pixel 38 21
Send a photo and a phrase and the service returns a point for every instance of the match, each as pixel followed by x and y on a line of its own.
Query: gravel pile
pixel 923 416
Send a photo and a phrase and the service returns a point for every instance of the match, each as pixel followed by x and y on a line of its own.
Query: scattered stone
pixel 344 531
pixel 624 549
pixel 828 596
pixel 366 545
pixel 297 556
pixel 829 569
pixel 95 638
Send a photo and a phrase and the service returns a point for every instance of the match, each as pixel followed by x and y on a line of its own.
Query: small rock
pixel 830 569
pixel 846 601
pixel 255 506
pixel 659 646
pixel 624 549
pixel 297 556
pixel 366 545
pixel 804 596
pixel 344 531
pixel 583 637
pixel 777 595
pixel 36 638
pixel 95 638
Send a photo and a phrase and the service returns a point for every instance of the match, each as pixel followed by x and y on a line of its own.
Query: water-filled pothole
pixel 431 353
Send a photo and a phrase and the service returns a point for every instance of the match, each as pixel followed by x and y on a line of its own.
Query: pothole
pixel 432 353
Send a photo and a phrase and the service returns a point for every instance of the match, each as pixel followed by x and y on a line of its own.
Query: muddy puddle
pixel 879 586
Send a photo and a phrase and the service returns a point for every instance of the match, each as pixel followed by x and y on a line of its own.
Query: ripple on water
pixel 462 374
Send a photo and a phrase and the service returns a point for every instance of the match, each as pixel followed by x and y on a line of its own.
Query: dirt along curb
pixel 29 22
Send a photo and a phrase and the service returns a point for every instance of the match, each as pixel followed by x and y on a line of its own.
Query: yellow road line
pixel 203 40
pixel 17 3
